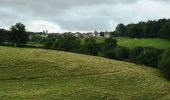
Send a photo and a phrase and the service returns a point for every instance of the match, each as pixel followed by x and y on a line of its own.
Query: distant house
pixel 108 34
pixel 78 34
pixel 96 34
pixel 53 35
pixel 67 33
pixel 90 34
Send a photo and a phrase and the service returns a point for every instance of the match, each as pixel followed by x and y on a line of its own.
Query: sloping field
pixel 37 74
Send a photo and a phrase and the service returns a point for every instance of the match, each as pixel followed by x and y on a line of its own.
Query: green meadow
pixel 132 43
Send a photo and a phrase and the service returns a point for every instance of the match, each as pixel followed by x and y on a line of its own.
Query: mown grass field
pixel 37 74
pixel 132 43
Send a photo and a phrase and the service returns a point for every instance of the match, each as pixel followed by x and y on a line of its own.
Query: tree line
pixel 150 29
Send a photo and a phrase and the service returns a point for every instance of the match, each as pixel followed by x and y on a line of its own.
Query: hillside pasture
pixel 37 74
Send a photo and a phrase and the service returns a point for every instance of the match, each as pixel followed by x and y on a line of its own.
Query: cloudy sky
pixel 79 15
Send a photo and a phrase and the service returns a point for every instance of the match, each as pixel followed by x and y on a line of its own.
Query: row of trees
pixel 150 29
pixel 17 35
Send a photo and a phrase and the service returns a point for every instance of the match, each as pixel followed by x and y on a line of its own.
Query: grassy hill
pixel 132 43
pixel 37 74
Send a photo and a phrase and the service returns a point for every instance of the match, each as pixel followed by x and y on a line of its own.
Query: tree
pixel 164 64
pixel 18 34
pixel 165 30
pixel 121 30
pixel 135 30
pixel 150 29
pixel 3 34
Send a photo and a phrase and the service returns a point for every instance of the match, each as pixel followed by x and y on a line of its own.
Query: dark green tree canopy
pixel 121 30
pixel 164 64
pixel 149 29
pixel 18 34
pixel 3 35
pixel 90 46
pixel 165 30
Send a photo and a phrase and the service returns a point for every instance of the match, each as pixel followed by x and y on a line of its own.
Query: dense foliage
pixel 150 29
pixel 107 48
pixel 16 36
pixel 146 55
pixel 67 43
pixel 164 64
pixel 90 46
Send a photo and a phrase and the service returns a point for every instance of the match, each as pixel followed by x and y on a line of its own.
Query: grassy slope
pixel 38 74
pixel 131 43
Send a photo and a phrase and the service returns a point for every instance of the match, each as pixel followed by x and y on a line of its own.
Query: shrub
pixel 134 53
pixel 121 53
pixel 48 44
pixel 90 46
pixel 164 64
pixel 146 55
pixel 107 48
pixel 67 43
pixel 109 54
pixel 149 56
pixel 35 38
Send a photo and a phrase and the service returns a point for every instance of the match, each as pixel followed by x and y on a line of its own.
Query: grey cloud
pixel 82 15
pixel 43 7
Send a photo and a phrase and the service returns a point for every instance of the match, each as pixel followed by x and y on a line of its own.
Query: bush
pixel 90 46
pixel 48 44
pixel 121 53
pixel 107 48
pixel 67 43
pixel 149 56
pixel 109 54
pixel 146 55
pixel 164 64
pixel 35 38
pixel 134 53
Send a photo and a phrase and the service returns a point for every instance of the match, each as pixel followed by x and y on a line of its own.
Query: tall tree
pixel 2 35
pixel 18 34
pixel 165 30
pixel 121 30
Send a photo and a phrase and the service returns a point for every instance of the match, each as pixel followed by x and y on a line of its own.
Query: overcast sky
pixel 79 15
